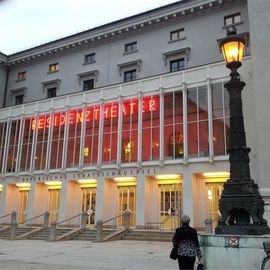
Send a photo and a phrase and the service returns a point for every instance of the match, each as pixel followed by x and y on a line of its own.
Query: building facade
pixel 129 115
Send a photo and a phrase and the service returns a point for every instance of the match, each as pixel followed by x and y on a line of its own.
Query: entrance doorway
pixel 89 204
pixel 54 204
pixel 214 191
pixel 170 205
pixel 126 200
pixel 23 204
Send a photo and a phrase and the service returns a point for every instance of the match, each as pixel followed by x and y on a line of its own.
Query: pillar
pixel 188 180
pixel 140 202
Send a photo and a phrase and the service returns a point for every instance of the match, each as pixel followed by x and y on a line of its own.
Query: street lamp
pixel 241 205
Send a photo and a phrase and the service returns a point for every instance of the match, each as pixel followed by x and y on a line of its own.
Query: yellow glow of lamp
pixel 167 176
pixel 233 49
pixel 53 183
pixel 87 181
pixel 86 151
pixel 1 186
pixel 23 185
pixel 123 179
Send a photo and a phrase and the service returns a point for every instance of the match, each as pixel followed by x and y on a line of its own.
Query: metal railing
pixel 100 224
pixel 67 223
pixel 13 216
pixel 5 216
pixel 29 222
pixel 160 225
pixel 114 221
pixel 81 222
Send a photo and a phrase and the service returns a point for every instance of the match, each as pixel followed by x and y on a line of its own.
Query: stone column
pixel 188 179
pixel 140 202
pixel 46 219
pixel 53 232
pixel 99 227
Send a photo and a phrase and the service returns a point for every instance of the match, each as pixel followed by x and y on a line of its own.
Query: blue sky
pixel 27 23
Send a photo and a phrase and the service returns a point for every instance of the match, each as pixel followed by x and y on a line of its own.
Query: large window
pixel 3 130
pixel 56 153
pixel 221 119
pixel 197 122
pixel 173 125
pixel 150 128
pixel 129 130
pixel 42 127
pixel 27 143
pixel 13 145
pixel 125 144
pixel 91 135
pixel 110 131
pixel 74 137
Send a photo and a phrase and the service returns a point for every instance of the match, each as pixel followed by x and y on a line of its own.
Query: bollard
pixel 53 232
pixel 46 219
pixel 99 236
pixel 208 225
pixel 13 217
pixel 83 219
pixel 127 219
pixel 13 230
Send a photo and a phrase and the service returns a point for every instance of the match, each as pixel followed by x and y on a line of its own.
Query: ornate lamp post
pixel 241 205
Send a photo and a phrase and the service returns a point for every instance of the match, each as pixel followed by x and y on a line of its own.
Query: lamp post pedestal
pixel 241 205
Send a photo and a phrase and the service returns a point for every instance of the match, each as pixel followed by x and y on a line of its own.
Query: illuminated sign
pixel 129 107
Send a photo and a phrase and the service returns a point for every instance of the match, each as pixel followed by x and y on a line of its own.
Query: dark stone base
pixel 243 230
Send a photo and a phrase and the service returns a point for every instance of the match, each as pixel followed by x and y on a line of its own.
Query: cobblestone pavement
pixel 114 255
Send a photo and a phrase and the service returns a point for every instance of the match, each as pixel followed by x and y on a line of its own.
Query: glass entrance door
pixel 24 194
pixel 89 204
pixel 214 191
pixel 170 205
pixel 54 203
pixel 126 200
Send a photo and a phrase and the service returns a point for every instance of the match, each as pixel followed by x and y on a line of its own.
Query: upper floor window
pixel 54 67
pixel 130 75
pixel 232 19
pixel 51 92
pixel 178 64
pixel 88 84
pixel 90 58
pixel 177 34
pixel 131 47
pixel 22 76
pixel 18 99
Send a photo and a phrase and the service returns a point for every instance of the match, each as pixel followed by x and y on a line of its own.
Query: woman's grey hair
pixel 185 219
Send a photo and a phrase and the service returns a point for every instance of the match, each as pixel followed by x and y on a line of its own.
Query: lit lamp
pixel 241 205
pixel 232 48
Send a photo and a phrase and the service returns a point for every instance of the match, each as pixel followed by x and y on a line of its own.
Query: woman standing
pixel 188 244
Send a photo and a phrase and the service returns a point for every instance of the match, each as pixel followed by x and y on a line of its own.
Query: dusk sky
pixel 27 23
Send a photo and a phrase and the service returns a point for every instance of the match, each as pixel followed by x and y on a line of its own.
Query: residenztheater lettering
pixel 129 107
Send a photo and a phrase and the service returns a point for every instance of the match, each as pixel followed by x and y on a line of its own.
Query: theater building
pixel 129 115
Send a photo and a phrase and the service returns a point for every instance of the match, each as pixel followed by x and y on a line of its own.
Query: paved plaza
pixel 35 254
